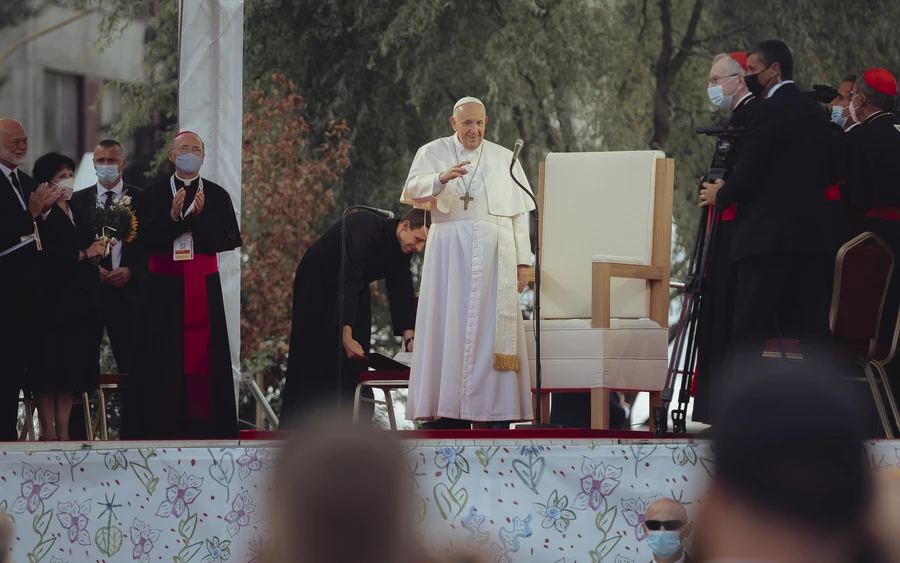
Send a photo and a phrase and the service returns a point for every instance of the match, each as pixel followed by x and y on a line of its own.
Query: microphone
pixel 382 212
pixel 518 148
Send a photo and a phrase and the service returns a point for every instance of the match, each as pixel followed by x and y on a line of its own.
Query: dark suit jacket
pixel 133 256
pixel 780 178
pixel 15 222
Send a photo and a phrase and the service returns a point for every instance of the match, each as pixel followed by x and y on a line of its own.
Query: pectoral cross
pixel 466 199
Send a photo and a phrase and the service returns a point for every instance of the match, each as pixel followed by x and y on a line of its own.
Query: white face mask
pixel 838 117
pixel 853 111
pixel 717 95
pixel 69 186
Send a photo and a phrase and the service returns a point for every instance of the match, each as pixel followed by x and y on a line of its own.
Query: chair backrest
pixel 862 272
pixel 597 203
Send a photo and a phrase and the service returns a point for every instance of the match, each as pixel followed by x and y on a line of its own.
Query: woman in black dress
pixel 65 363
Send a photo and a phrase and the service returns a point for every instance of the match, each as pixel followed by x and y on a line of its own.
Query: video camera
pixel 727 148
pixel 822 93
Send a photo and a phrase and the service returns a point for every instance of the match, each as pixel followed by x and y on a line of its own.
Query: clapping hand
pixel 177 205
pixel 454 171
pixel 44 198
pixel 198 203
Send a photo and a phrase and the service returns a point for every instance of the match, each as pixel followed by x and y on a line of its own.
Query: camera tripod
pixel 685 353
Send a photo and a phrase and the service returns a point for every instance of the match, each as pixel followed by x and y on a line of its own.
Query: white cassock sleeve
pixel 423 184
pixel 520 226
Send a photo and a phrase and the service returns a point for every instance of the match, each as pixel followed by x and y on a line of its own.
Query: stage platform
pixel 530 496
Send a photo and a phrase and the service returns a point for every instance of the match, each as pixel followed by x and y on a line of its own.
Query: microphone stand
pixel 536 312
pixel 340 347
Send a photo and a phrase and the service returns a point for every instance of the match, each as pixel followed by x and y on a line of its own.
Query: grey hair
pixel 873 96
pixel 733 66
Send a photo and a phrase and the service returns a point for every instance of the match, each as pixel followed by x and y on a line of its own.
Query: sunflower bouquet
pixel 115 222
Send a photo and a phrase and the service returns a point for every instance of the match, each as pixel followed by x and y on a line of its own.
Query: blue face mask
pixel 107 173
pixel 664 543
pixel 837 116
pixel 188 163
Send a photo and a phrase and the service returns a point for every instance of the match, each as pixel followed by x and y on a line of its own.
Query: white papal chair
pixel 606 240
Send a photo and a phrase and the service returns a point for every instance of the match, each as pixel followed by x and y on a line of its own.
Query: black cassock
pixel 162 401
pixel 873 192
pixel 718 300
pixel 373 253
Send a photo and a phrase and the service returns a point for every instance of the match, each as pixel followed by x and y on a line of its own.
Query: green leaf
pixel 190 551
pixel 604 548
pixel 450 503
pixel 41 550
pixel 151 486
pixel 606 520
pixel 187 527
pixel 42 522
pixel 109 540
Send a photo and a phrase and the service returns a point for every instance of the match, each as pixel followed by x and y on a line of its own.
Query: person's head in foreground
pixel 667 528
pixel 6 537
pixel 792 480
pixel 341 495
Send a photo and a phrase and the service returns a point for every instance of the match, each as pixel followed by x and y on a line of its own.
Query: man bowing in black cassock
pixel 377 248
pixel 181 384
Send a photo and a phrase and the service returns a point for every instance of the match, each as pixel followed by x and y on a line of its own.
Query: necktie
pixel 14 178
pixel 106 263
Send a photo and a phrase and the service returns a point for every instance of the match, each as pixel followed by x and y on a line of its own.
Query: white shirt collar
pixel 187 181
pixel 118 190
pixel 854 124
pixel 7 171
pixel 777 86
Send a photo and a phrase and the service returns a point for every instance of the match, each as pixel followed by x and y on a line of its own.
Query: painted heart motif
pixel 450 503
pixel 530 474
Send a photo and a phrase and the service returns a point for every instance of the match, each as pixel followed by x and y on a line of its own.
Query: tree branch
pixel 687 42
pixel 643 22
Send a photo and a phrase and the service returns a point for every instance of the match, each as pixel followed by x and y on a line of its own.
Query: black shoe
pixel 446 424
pixel 499 425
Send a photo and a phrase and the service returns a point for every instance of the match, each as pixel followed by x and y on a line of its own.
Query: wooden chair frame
pixel 657 274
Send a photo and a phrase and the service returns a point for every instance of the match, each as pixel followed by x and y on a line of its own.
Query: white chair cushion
pixel 596 204
pixel 631 355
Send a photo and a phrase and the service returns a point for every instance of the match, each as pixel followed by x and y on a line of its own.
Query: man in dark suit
pixel 779 250
pixel 124 267
pixel 21 203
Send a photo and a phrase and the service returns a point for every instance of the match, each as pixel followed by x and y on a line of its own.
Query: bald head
pixel 667 509
pixel 13 143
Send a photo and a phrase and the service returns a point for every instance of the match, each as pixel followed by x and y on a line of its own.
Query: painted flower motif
pixel 258 548
pixel 182 491
pixel 38 486
pixel 253 460
pixel 683 454
pixel 597 483
pixel 115 460
pixel 143 539
pixel 217 551
pixel 635 512
pixel 472 523
pixel 74 519
pixel 452 460
pixel 243 513
pixel 531 451
pixel 57 560
pixel 555 513
pixel 623 559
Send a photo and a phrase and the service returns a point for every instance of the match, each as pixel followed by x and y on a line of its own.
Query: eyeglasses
pixel 184 149
pixel 669 525
pixel 714 80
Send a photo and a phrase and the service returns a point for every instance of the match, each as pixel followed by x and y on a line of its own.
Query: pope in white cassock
pixel 469 360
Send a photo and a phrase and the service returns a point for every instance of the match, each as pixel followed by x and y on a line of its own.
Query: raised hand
pixel 199 200
pixel 454 171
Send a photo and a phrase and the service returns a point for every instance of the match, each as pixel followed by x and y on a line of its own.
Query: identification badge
pixel 184 248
